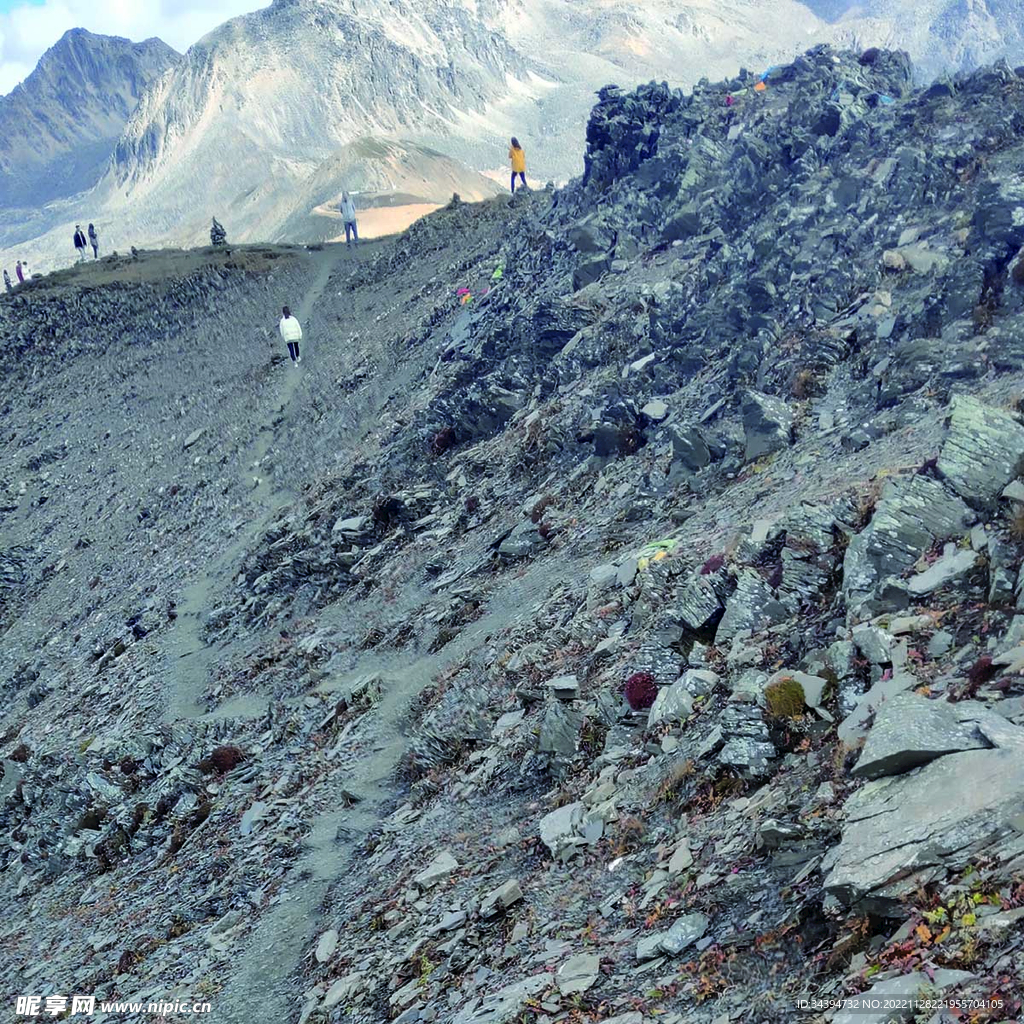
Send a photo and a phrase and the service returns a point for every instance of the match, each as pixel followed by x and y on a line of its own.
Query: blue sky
pixel 30 27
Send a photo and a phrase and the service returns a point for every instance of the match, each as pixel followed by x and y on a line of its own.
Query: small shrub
pixel 538 510
pixel 981 672
pixel 784 698
pixel 640 690
pixel 982 317
pixel 388 511
pixel 712 565
pixel 592 737
pixel 630 835
pixel 138 817
pixel 222 760
pixel 805 385
pixel 671 786
pixel 444 440
pixel 127 960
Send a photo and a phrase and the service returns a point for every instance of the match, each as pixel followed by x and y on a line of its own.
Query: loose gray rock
pixel 911 730
pixel 767 425
pixel 193 438
pixel 673 704
pixel 327 945
pixel 893 998
pixel 504 1005
pixel 501 898
pixel 948 569
pixel 437 870
pixel 559 730
pixel 911 516
pixel 751 608
pixel 984 450
pixel 578 973
pixel 899 829
pixel 685 931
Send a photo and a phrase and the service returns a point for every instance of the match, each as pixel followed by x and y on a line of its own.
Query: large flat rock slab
pixel 911 516
pixel 911 730
pixel 983 452
pixel 942 815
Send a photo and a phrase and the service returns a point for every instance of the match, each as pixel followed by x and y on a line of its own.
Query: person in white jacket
pixel 291 331
pixel 348 215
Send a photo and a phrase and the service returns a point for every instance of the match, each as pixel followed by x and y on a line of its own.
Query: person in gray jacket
pixel 348 215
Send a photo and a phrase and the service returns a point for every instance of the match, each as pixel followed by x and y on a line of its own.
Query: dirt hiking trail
pixel 191 659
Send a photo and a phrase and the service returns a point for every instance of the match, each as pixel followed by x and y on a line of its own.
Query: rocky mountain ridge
pixel 286 90
pixel 637 640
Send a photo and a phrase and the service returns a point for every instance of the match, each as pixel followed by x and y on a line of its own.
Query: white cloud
pixel 28 30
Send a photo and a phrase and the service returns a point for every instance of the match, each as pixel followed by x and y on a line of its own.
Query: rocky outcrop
pixel 910 731
pixel 910 518
pixel 900 833
pixel 984 451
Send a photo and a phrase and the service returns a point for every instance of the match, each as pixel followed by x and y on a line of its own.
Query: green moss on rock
pixel 784 698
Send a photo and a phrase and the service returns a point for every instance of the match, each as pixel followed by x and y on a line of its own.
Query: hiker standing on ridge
pixel 348 215
pixel 517 155
pixel 94 242
pixel 291 331
pixel 7 280
pixel 20 271
pixel 79 242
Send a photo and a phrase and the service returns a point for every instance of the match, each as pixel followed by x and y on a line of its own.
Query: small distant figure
pixel 291 331
pixel 80 242
pixel 348 215
pixel 94 241
pixel 20 271
pixel 218 236
pixel 517 155
pixel 135 253
pixel 7 280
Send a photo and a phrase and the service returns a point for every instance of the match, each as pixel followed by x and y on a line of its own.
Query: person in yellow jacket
pixel 517 155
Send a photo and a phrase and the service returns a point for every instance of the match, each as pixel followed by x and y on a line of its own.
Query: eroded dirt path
pixel 189 658
pixel 355 789
pixel 266 972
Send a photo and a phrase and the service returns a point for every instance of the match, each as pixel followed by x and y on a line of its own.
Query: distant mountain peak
pixel 59 126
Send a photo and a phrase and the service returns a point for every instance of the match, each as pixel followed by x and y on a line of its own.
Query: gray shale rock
pixel 767 425
pixel 901 830
pixel 911 730
pixel 504 1005
pixel 984 451
pixel 752 607
pixel 911 516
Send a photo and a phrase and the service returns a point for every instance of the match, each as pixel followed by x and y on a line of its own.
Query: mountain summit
pixel 59 126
